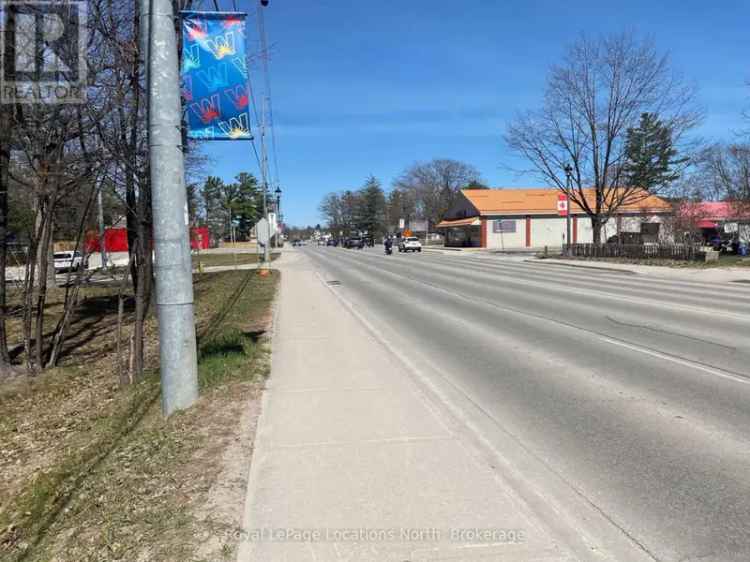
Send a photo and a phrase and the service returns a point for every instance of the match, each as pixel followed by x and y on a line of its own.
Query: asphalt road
pixel 633 391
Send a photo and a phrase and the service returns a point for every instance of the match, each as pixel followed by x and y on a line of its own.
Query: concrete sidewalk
pixel 354 461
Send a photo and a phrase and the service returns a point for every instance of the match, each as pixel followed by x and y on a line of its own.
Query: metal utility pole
pixel 264 177
pixel 264 171
pixel 278 217
pixel 173 268
pixel 568 186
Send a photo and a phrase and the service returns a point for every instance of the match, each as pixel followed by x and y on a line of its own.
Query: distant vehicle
pixel 296 243
pixel 355 243
pixel 68 261
pixel 332 242
pixel 410 244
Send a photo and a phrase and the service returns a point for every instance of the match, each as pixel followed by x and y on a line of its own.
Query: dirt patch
pixel 221 514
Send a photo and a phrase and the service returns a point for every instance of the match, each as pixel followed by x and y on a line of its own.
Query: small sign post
pixel 262 230
pixel 263 236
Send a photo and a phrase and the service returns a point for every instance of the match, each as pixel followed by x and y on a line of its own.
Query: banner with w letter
pixel 214 76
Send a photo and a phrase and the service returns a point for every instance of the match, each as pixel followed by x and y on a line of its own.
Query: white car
pixel 410 244
pixel 68 261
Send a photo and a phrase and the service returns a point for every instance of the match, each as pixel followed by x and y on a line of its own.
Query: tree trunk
pixel 71 292
pixel 596 227
pixel 131 219
pixel 41 297
pixel 142 285
pixel 6 119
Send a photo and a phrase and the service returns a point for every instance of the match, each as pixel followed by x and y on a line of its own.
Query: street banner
pixel 214 76
pixel 562 205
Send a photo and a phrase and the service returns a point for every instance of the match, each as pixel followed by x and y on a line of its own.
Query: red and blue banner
pixel 215 76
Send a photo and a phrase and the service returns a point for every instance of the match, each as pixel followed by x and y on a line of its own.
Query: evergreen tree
pixel 237 204
pixel 247 206
pixel 217 218
pixel 371 209
pixel 652 161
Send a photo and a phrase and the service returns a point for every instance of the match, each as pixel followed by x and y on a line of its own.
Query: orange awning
pixel 471 221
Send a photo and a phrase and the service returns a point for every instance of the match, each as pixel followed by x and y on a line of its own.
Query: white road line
pixel 684 362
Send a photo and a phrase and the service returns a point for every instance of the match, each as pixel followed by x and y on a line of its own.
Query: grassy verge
pixel 211 260
pixel 91 471
pixel 723 261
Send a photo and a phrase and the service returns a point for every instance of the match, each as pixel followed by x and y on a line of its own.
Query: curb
pixel 594 267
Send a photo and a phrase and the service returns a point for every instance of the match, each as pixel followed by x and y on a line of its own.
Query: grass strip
pixel 99 497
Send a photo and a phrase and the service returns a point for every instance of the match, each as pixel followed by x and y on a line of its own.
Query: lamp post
pixel 568 185
pixel 267 246
pixel 278 215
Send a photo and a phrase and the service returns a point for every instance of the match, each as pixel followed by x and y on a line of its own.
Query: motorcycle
pixel 388 250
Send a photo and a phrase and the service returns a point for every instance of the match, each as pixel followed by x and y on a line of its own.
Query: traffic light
pixel 264 3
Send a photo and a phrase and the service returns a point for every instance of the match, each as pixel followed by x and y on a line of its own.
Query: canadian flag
pixel 562 205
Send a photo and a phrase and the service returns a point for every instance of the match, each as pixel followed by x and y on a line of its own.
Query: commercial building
pixel 712 220
pixel 515 219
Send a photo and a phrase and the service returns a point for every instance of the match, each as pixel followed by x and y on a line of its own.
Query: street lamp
pixel 568 185
pixel 278 216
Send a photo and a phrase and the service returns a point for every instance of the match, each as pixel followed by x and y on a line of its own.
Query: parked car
pixel 68 261
pixel 332 242
pixel 410 244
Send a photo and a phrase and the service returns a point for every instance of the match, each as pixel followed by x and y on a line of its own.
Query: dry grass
pixel 91 471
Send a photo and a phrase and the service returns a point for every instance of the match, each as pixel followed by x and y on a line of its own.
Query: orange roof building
pixel 517 219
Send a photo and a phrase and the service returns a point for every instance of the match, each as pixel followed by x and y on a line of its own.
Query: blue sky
pixel 366 87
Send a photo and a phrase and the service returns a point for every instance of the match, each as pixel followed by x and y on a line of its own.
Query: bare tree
pixel 726 173
pixel 591 100
pixel 400 205
pixel 433 185
pixel 331 211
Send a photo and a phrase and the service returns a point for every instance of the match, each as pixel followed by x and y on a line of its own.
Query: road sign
pixel 562 205
pixel 262 231
pixel 401 224
pixel 731 227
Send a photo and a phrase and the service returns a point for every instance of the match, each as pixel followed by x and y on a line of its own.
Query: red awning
pixel 705 223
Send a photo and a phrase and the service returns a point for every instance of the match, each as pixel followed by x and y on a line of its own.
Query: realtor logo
pixel 43 51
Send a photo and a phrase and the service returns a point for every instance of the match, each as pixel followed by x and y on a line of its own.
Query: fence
pixel 682 252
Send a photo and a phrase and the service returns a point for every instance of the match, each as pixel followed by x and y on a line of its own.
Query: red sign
pixel 562 205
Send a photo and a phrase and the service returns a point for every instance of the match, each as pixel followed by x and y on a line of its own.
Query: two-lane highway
pixel 634 391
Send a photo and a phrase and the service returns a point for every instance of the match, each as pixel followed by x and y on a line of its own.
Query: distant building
pixel 711 219
pixel 116 240
pixel 513 219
